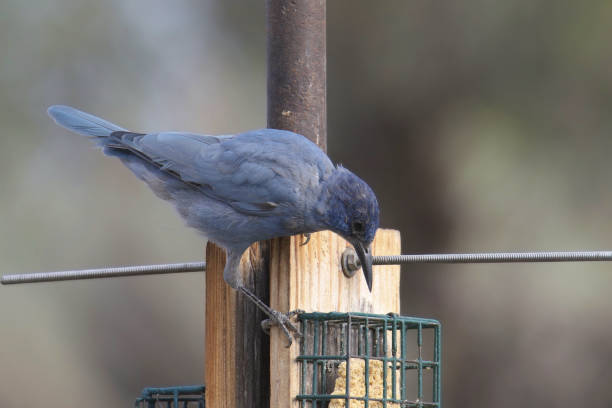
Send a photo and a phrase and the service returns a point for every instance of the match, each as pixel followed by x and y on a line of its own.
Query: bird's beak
pixel 365 257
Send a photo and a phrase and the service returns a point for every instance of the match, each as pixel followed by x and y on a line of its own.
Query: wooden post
pixel 244 368
pixel 310 278
pixel 236 350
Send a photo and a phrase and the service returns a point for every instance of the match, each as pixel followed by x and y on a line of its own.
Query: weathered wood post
pixel 236 349
pixel 243 369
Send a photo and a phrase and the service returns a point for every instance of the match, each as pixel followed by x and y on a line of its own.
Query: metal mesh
pixel 189 396
pixel 367 360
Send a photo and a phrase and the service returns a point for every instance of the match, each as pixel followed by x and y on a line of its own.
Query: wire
pixel 350 264
pixel 495 257
pixel 104 273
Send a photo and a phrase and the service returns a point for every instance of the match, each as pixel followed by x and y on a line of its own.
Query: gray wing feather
pixel 257 172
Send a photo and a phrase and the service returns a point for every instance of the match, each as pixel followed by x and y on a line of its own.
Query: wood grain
pixel 236 349
pixel 310 278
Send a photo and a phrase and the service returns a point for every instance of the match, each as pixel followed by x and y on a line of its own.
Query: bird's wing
pixel 257 172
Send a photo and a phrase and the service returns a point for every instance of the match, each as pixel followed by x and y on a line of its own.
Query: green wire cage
pixel 184 396
pixel 350 360
pixel 368 360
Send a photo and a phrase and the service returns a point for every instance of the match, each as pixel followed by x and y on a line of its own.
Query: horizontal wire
pixel 492 257
pixel 104 273
pixel 495 257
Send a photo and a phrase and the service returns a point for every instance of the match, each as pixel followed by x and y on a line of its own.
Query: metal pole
pixel 104 273
pixel 296 68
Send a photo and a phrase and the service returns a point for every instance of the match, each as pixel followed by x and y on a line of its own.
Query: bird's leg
pixel 266 324
pixel 275 317
pixel 307 240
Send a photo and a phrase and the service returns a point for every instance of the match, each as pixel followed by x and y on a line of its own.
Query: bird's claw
pixel 283 320
pixel 306 240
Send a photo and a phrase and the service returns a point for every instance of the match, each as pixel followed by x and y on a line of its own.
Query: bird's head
pixel 350 209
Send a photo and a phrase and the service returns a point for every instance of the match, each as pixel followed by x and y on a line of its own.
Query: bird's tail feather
pixel 81 122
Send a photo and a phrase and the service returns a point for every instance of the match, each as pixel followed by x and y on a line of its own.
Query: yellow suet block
pixel 357 384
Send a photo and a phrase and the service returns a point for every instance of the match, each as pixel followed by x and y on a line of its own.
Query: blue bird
pixel 239 189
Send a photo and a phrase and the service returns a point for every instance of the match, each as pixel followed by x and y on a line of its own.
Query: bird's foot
pixel 306 239
pixel 283 320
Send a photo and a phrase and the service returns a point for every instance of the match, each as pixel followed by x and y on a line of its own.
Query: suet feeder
pixel 369 360
pixel 186 396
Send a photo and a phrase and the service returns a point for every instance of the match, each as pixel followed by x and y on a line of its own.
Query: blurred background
pixel 482 126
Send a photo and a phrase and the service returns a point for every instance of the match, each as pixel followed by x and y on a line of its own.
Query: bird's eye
pixel 358 226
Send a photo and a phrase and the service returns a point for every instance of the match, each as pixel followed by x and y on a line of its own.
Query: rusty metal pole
pixel 297 68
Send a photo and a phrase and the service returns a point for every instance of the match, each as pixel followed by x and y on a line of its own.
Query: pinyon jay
pixel 239 189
